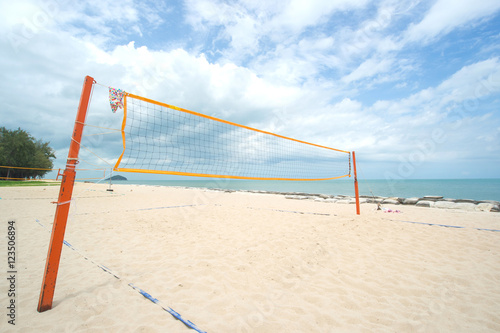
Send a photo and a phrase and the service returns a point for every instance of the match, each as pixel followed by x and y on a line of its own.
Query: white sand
pixel 240 262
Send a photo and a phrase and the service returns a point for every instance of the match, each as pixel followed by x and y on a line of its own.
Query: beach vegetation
pixel 9 183
pixel 30 158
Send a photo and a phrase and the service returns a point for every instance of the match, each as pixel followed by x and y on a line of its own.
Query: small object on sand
pixel 391 211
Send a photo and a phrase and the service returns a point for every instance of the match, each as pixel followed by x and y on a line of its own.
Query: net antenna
pixel 159 138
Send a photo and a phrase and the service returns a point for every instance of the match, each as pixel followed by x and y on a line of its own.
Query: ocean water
pixel 475 189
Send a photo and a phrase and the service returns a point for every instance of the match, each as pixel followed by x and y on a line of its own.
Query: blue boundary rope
pixel 171 311
pixel 290 211
pixel 168 309
pixel 153 208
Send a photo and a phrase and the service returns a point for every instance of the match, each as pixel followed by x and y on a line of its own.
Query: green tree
pixel 19 149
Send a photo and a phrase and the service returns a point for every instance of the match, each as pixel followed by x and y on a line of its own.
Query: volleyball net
pixel 164 139
pixel 159 138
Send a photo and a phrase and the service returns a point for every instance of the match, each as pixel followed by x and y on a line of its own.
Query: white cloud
pixel 446 15
pixel 203 13
pixel 369 68
pixel 298 15
pixel 285 67
pixel 264 27
pixel 244 35
pixel 474 81
pixel 10 13
pixel 457 98
pixel 443 108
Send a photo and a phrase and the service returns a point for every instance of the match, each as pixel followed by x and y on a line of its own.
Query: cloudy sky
pixel 412 86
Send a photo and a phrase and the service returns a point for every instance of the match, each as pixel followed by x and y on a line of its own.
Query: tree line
pixel 19 149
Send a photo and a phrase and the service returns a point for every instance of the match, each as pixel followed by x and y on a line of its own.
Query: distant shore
pixel 472 189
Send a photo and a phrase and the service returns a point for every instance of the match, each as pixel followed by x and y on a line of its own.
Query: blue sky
pixel 412 86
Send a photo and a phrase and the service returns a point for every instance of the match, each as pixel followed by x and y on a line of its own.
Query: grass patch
pixel 7 183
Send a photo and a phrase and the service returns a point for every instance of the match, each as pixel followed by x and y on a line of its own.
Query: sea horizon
pixel 473 189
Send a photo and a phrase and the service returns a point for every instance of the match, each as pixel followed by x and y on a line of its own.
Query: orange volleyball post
pixel 356 191
pixel 63 203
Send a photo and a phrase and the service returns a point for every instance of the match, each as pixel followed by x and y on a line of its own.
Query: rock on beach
pixel 428 201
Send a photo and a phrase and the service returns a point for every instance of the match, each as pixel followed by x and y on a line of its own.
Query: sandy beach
pixel 248 262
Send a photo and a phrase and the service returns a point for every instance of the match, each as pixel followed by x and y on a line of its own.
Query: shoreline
pixel 428 201
pixel 474 189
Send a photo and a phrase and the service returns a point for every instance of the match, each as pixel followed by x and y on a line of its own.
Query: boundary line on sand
pixel 446 225
pixel 291 211
pixel 168 309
